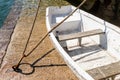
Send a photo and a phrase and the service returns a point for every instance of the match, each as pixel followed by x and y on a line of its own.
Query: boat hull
pixel 78 22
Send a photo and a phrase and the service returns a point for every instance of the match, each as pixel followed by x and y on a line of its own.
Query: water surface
pixel 5 6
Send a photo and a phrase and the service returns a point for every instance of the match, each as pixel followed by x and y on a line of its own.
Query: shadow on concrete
pixel 32 66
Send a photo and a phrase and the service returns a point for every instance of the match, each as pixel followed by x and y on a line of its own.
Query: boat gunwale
pixel 99 20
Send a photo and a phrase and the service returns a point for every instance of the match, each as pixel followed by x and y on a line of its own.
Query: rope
pixel 16 67
pixel 28 37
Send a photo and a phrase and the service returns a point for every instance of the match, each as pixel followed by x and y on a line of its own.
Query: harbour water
pixel 5 6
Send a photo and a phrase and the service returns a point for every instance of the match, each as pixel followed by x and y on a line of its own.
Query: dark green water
pixel 5 6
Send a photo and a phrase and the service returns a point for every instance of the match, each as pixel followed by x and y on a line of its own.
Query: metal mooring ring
pixel 24 68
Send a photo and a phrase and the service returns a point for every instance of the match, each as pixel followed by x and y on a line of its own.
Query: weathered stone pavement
pixel 8 28
pixel 48 67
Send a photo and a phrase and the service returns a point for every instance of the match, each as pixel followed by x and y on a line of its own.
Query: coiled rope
pixel 16 67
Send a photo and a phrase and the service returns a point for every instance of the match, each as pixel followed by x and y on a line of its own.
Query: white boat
pixel 89 45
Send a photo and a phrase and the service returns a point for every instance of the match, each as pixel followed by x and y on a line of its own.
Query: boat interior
pixel 90 45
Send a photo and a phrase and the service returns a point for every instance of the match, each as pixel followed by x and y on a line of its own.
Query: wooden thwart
pixel 80 34
pixel 105 72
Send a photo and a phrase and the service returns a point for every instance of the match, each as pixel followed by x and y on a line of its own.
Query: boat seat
pixel 105 72
pixel 79 34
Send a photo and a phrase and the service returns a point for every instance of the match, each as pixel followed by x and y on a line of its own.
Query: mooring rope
pixel 29 36
pixel 16 67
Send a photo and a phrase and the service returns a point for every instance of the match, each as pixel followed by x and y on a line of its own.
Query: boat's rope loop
pixel 16 67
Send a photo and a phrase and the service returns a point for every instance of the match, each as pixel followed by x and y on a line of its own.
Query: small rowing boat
pixel 89 45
